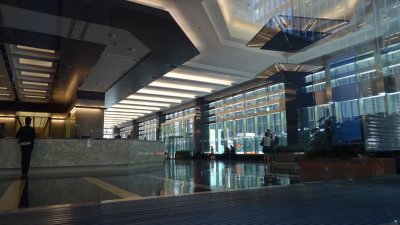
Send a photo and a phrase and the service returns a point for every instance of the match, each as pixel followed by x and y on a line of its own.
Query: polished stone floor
pixel 46 187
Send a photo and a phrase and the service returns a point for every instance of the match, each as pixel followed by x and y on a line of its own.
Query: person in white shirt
pixel 267 148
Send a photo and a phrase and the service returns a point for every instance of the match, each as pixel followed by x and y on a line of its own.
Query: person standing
pixel 267 148
pixel 26 136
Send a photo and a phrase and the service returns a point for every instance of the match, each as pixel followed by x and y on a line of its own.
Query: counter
pixel 82 152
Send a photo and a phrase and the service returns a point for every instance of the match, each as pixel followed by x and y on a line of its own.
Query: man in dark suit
pixel 26 136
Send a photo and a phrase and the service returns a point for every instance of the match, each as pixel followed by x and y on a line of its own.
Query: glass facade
pixel 242 119
pixel 177 131
pixel 148 130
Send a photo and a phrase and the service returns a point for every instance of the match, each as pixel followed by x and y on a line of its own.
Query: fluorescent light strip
pixel 116 121
pixel 35 83
pixel 34 96
pixel 166 93
pixel 136 107
pixel 128 110
pixel 36 49
pixel 3 88
pixel 144 103
pixel 4 94
pixel 180 87
pixel 122 114
pixel 34 74
pixel 34 90
pixel 33 62
pixel 198 78
pixel 159 99
pixel 120 117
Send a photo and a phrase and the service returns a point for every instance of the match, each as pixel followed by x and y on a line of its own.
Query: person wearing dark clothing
pixel 233 152
pixel 26 136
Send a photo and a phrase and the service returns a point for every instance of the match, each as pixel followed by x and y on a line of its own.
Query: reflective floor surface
pixel 170 178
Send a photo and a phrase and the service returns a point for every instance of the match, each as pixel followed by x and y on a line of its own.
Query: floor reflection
pixel 172 178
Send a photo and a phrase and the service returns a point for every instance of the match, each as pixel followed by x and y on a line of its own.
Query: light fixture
pixel 158 99
pixel 166 93
pixel 128 110
pixel 34 90
pixel 198 78
pixel 136 107
pixel 34 62
pixel 4 94
pixel 144 103
pixel 120 116
pixel 3 88
pixel 36 49
pixel 35 83
pixel 72 110
pixel 34 96
pixel 106 113
pixel 180 87
pixel 116 121
pixel 34 74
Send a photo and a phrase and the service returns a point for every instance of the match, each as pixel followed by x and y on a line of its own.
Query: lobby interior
pixel 137 106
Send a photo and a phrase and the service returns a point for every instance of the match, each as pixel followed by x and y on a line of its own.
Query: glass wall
pixel 148 130
pixel 360 91
pixel 177 131
pixel 242 119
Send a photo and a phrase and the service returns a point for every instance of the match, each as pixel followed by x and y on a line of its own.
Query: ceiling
pixel 150 55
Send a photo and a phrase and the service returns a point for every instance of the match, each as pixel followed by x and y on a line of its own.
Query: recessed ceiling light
pixel 144 103
pixel 35 83
pixel 128 110
pixel 180 87
pixel 158 99
pixel 166 93
pixel 3 88
pixel 36 49
pixel 136 107
pixel 198 78
pixel 34 62
pixel 4 94
pixel 34 96
pixel 34 74
pixel 34 90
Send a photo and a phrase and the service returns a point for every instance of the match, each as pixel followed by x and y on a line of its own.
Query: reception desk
pixel 81 152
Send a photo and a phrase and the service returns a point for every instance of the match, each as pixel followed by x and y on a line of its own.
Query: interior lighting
pixel 34 74
pixel 35 83
pixel 73 110
pixel 198 78
pixel 166 93
pixel 128 110
pixel 4 94
pixel 180 87
pixel 34 90
pixel 34 62
pixel 34 96
pixel 159 99
pixel 36 49
pixel 3 88
pixel 136 107
pixel 122 114
pixel 145 103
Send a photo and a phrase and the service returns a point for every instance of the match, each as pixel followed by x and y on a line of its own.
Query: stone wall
pixel 82 152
